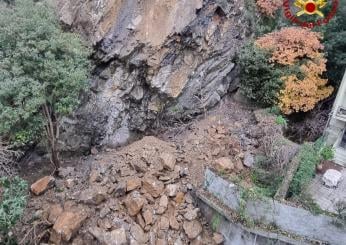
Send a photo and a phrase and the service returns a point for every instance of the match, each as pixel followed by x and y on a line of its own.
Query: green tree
pixel 335 44
pixel 42 72
pixel 260 80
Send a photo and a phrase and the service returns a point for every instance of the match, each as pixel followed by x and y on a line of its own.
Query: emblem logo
pixel 296 10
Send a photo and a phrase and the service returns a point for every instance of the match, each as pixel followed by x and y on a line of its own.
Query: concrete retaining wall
pixel 289 219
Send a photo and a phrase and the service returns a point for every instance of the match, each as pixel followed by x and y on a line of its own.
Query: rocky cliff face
pixel 154 59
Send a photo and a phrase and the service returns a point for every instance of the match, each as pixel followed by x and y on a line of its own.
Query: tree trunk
pixel 52 131
pixel 291 170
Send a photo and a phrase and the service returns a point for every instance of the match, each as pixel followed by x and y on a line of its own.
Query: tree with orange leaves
pixel 295 46
pixel 268 7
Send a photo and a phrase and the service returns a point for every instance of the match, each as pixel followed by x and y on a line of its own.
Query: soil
pixel 227 131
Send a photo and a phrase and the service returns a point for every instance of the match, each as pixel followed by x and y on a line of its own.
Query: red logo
pixel 310 13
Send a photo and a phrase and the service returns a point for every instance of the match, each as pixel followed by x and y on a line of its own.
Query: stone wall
pixel 289 219
pixel 154 60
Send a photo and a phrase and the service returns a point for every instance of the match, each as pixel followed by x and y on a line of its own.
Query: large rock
pixel 115 237
pixel 192 228
pixel 94 195
pixel 168 161
pixel 66 226
pixel 331 178
pixel 42 185
pixel 170 58
pixel 153 186
pixel 134 203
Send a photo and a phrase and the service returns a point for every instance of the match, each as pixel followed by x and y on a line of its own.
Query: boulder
pixel 331 178
pixel 153 186
pixel 115 237
pixel 66 226
pixel 192 229
pixel 42 185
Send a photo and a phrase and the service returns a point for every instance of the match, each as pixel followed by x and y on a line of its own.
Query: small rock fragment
pixel 69 183
pixel 218 238
pixel 168 161
pixel 180 198
pixel 164 223
pixel 163 204
pixel 173 223
pixel 172 190
pixel 134 203
pixel 191 214
pixel 120 189
pixel 94 151
pixel 42 185
pixel 54 212
pixel 64 172
pixel 94 195
pixel 138 234
pixel 249 160
pixel 148 216
pixel 153 186
pixel 224 163
pixel 192 229
pixel 133 184
pixel 140 220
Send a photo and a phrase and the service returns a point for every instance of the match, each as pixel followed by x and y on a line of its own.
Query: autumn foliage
pixel 268 7
pixel 295 46
pixel 291 44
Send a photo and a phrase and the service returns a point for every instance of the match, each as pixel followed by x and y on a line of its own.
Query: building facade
pixel 335 132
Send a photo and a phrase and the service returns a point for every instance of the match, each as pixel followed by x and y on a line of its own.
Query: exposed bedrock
pixel 155 59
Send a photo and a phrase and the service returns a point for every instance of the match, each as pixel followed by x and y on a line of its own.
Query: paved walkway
pixel 326 197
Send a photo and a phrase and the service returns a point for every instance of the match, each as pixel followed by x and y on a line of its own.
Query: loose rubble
pixel 142 193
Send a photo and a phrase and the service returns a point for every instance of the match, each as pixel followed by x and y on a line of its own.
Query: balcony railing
pixel 341 114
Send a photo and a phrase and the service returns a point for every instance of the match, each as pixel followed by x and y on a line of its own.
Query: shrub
pixel 260 80
pixel 12 202
pixel 327 153
pixel 280 120
pixel 7 157
pixel 310 156
pixel 42 71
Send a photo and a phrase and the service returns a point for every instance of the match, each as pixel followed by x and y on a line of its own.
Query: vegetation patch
pixel 13 195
